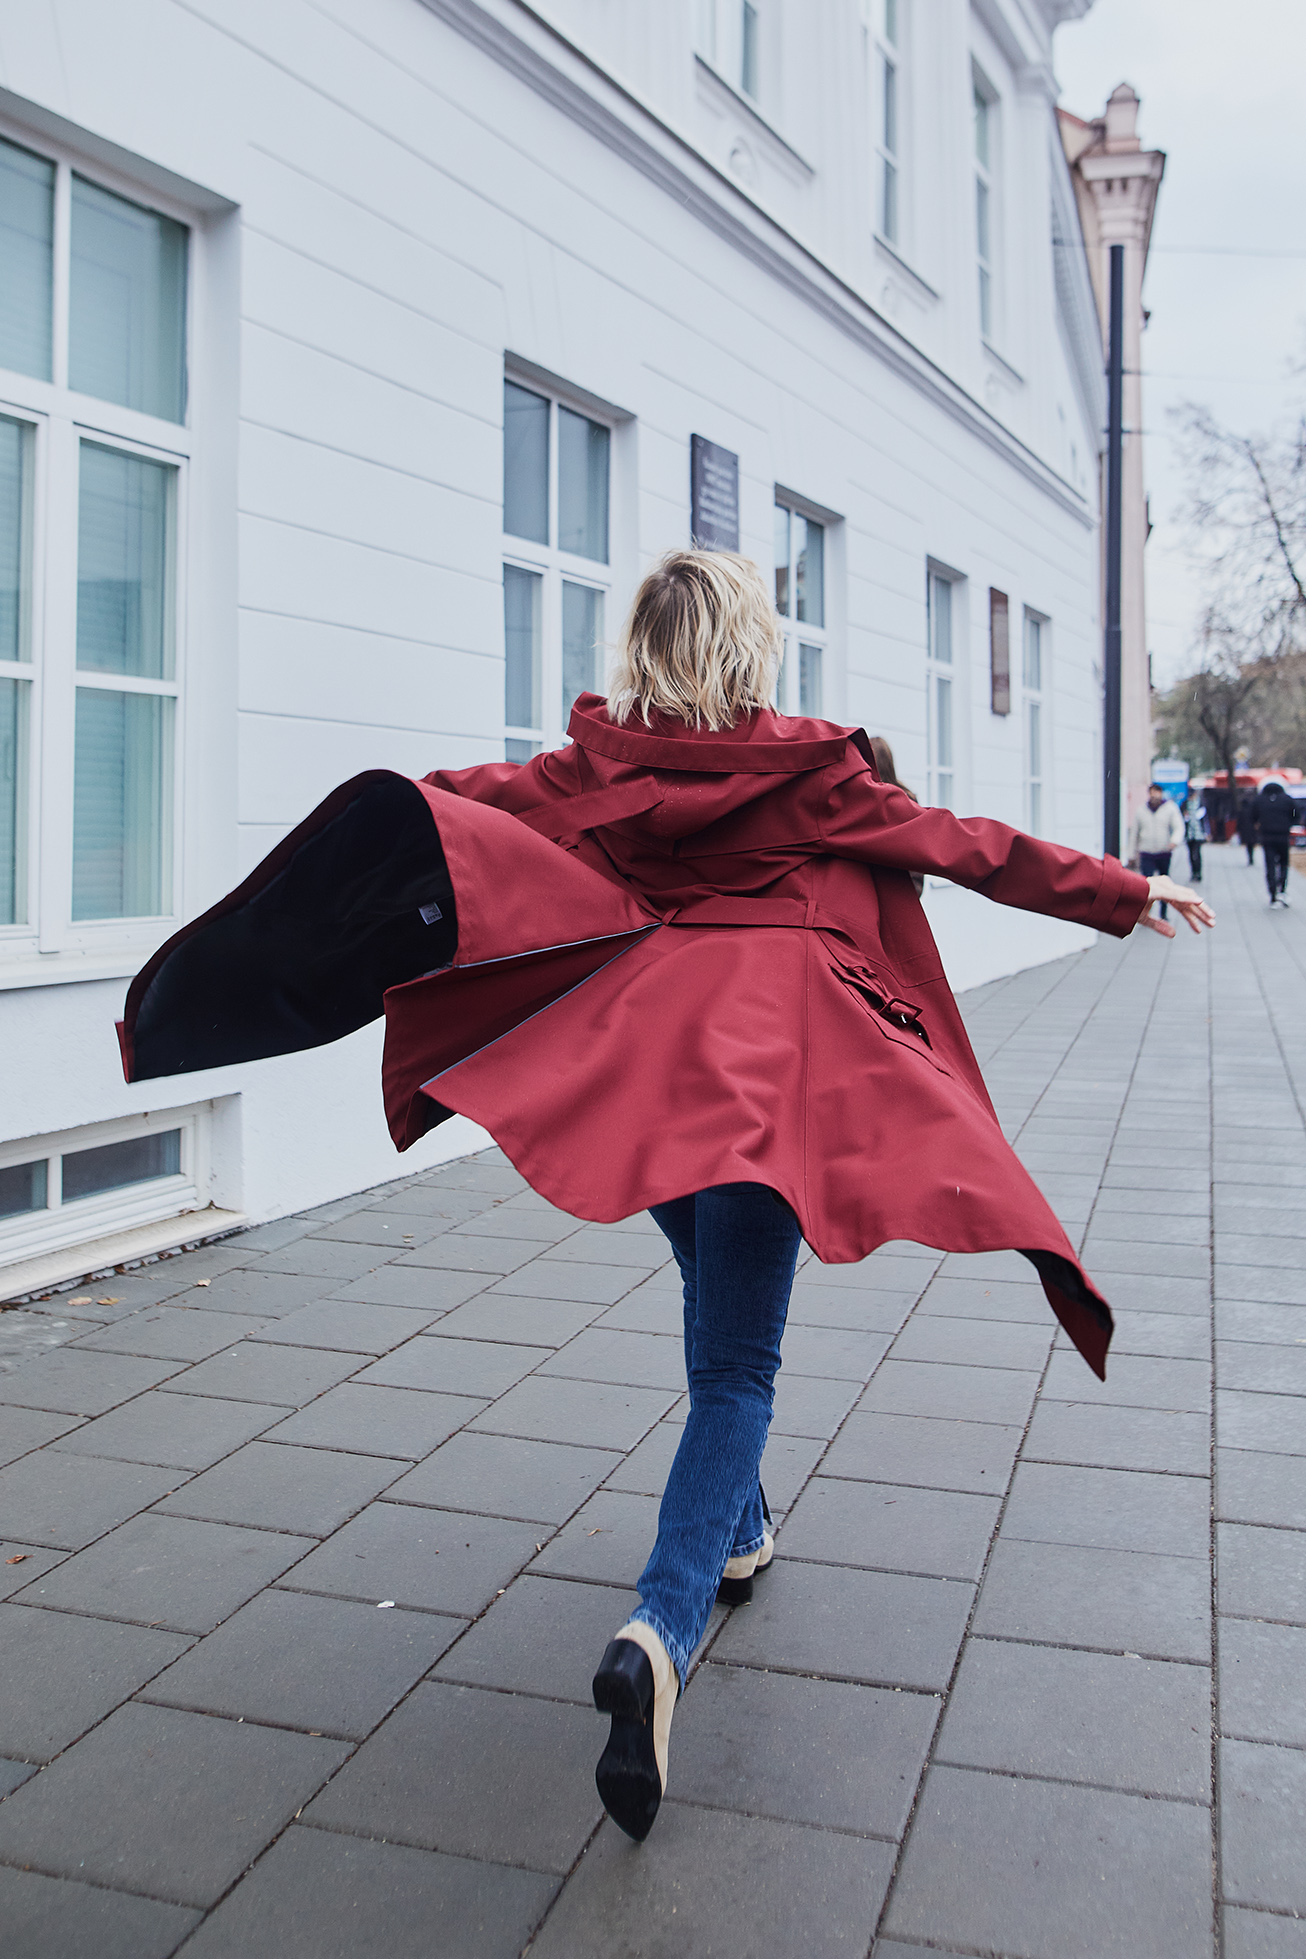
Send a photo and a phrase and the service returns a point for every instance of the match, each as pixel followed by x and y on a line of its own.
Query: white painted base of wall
pixel 979 941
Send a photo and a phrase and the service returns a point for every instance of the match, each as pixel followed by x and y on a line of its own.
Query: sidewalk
pixel 980 1726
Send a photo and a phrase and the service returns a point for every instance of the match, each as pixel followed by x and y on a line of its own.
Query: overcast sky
pixel 1223 94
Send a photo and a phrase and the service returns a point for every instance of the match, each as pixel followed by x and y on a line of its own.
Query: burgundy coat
pixel 658 959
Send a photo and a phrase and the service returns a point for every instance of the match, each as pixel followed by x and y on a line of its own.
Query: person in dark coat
pixel 1276 812
pixel 1247 826
pixel 677 965
pixel 1196 832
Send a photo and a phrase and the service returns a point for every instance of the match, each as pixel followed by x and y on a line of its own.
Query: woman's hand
pixel 1193 910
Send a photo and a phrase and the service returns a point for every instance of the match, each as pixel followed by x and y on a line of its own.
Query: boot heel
pixel 623 1685
pixel 735 1591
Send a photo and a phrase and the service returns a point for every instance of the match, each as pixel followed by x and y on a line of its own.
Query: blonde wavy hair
pixel 702 642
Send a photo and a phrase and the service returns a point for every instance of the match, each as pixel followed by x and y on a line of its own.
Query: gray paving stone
pixel 47 1916
pixel 574 1279
pixel 870 1311
pixel 1262 1935
pixel 637 1360
pixel 1116 1601
pixel 272 1236
pixel 177 1431
pixel 484 1368
pixel 392 1229
pixel 288 1376
pixel 1114 1509
pixel 511 1220
pixel 1142 1725
pixel 1274 1422
pixel 1155 1228
pixel 891 1527
pixel 363 1421
pixel 323 1665
pixel 461 1770
pixel 434 1560
pixel 320 1895
pixel 1164 1336
pixel 882 1271
pixel 837 1353
pixel 988 1266
pixel 1153 1177
pixel 1261 1573
pixel 461 1251
pixel 72 1381
pixel 24 1429
pixel 806 1405
pixel 708 1881
pixel 524 1322
pixel 1261 1368
pixel 168 1332
pixel 1263 1816
pixel 1120 1438
pixel 608 1541
pixel 502 1476
pixel 423 1288
pixel 13 1775
pixel 1132 1381
pixel 932 1454
pixel 646 1310
pixel 21 1563
pixel 934 1388
pixel 495 1179
pixel 1177 1203
pixel 1259 1488
pixel 1273 1284
pixel 133 1804
pixel 1157 1293
pixel 1246 1249
pixel 1245 1319
pixel 348 1329
pixel 276 1486
pixel 804 1751
pixel 981 1299
pixel 1262 1668
pixel 61 1674
pixel 456 1207
pixel 547 1410
pixel 975 1343
pixel 545 1636
pixel 328 1258
pixel 66 1501
pixel 1010 1866
pixel 870 1626
pixel 167 1571
pixel 1109 1255
pixel 602 1244
pixel 263 1295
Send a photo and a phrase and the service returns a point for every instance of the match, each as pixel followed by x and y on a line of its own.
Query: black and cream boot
pixel 637 1685
pixel 736 1587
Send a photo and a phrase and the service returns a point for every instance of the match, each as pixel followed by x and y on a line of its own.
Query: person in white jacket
pixel 1155 833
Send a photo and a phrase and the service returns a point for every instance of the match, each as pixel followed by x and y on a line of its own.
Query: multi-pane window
pixel 1035 663
pixel 62 1189
pixel 888 70
pixel 985 145
pixel 729 35
pixel 93 443
pixel 556 469
pixel 940 675
pixel 800 600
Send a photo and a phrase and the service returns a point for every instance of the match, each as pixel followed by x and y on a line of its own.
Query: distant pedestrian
pixel 1276 812
pixel 1155 834
pixel 1196 831
pixel 1247 827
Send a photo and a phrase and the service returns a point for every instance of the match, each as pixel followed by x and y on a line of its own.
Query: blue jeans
pixel 1156 863
pixel 737 1247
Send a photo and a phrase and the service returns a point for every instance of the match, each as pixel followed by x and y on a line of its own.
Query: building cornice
pixel 529 46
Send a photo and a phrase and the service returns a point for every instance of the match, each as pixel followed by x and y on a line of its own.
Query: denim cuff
pixel 680 1657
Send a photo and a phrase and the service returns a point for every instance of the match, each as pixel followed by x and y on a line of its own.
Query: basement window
pixel 56 1191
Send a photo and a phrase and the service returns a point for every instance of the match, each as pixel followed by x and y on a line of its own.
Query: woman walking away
pixel 1196 832
pixel 678 965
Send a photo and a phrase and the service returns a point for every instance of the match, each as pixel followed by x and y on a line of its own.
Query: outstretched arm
pixel 878 824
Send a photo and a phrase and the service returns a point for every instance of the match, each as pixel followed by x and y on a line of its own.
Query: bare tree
pixel 1247 519
pixel 1206 717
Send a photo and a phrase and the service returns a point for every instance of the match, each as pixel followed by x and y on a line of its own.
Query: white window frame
pixel 889 55
pixel 943 776
pixel 1034 704
pixel 798 632
pixel 58 1225
pixel 731 36
pixel 986 178
pixel 60 419
pixel 557 567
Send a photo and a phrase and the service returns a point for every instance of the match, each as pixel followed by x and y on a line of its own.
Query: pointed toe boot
pixel 637 1685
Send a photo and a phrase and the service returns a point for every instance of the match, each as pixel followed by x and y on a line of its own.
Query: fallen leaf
pixel 204 1282
pixel 22 1558
pixel 109 1302
pixel 82 1299
pixel 597 1531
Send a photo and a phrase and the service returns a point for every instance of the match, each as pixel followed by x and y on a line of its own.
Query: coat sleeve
pixel 878 824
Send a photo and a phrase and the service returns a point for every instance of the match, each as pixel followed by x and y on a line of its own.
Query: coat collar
pixel 763 744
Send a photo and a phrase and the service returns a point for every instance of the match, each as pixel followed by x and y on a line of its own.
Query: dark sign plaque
pixel 714 495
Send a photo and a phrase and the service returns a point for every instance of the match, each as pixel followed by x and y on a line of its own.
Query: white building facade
pixel 352 356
